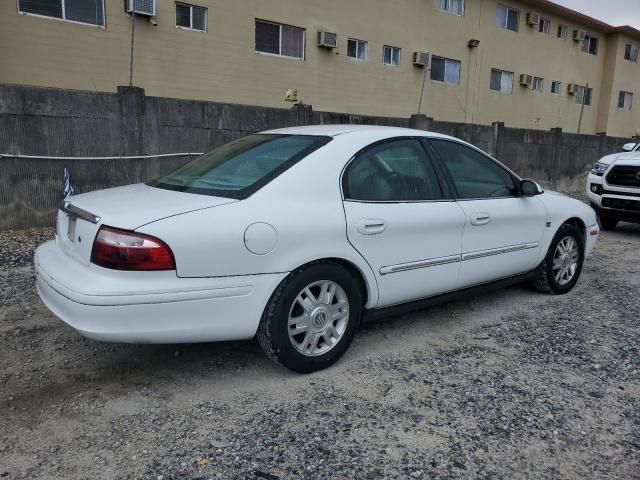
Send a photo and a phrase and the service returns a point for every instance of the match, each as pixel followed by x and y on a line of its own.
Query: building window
pixel 356 49
pixel 583 96
pixel 556 87
pixel 278 39
pixel 544 26
pixel 507 18
pixel 501 81
pixel 191 17
pixel 590 45
pixel 451 6
pixel 83 11
pixel 624 100
pixel 391 55
pixel 538 84
pixel 562 31
pixel 445 70
pixel 631 52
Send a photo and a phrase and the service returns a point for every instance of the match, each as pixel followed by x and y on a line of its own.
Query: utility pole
pixel 133 34
pixel 424 79
pixel 584 94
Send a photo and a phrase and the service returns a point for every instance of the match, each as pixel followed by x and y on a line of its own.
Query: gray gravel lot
pixel 511 384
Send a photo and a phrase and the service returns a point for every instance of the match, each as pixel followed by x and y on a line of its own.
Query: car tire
pixel 561 268
pixel 304 326
pixel 607 223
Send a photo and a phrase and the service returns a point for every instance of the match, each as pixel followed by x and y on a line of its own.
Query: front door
pixel 400 221
pixel 503 230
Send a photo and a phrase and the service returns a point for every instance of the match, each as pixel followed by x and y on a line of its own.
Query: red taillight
pixel 125 250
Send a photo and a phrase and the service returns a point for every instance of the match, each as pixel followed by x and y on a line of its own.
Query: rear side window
pixel 395 171
pixel 239 168
pixel 474 174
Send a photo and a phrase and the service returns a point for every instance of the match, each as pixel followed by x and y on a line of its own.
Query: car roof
pixel 337 130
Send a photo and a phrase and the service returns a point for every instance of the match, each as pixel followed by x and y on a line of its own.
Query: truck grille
pixel 624 176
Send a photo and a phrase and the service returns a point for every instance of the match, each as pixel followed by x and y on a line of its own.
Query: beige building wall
pixel 222 65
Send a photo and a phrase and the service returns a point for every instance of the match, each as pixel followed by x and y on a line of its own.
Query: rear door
pixel 401 221
pixel 503 230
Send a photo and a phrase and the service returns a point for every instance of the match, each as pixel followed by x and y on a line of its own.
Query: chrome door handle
pixel 371 226
pixel 480 218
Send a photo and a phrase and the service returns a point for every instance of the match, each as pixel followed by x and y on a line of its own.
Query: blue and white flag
pixel 68 188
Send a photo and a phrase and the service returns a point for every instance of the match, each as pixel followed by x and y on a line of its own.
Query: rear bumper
pixel 150 307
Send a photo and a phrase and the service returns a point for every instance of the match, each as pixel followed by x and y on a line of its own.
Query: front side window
pixel 544 26
pixel 474 175
pixel 356 49
pixel 501 81
pixel 394 171
pixel 556 87
pixel 562 31
pixel 538 84
pixel 391 56
pixel 278 39
pixel 590 45
pixel 631 52
pixel 239 168
pixel 583 96
pixel 507 18
pixel 625 100
pixel 455 7
pixel 83 11
pixel 191 16
pixel 445 70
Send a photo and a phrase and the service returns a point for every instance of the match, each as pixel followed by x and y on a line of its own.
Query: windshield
pixel 240 168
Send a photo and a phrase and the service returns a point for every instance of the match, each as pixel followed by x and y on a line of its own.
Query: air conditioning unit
pixel 533 19
pixel 578 35
pixel 526 80
pixel 421 59
pixel 327 39
pixel 142 7
pixel 572 88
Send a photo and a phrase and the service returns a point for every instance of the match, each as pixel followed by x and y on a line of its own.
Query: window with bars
pixel 445 70
pixel 455 7
pixel 279 39
pixel 82 11
pixel 590 45
pixel 538 84
pixel 584 96
pixel 391 55
pixel 501 81
pixel 625 99
pixel 544 26
pixel 357 49
pixel 507 18
pixel 191 17
pixel 631 52
pixel 556 87
pixel 562 31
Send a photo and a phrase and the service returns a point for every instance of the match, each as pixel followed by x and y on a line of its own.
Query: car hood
pixel 626 158
pixel 135 205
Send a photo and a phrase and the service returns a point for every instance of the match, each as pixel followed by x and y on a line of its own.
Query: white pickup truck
pixel 613 187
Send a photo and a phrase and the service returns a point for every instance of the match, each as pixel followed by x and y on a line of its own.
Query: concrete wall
pixel 52 122
pixel 222 64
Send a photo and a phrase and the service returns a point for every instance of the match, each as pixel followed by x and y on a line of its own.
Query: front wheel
pixel 562 266
pixel 311 318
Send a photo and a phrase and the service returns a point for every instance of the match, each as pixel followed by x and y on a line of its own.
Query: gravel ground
pixel 511 384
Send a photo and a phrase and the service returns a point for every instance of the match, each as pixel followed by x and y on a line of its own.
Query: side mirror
pixel 529 188
pixel 628 147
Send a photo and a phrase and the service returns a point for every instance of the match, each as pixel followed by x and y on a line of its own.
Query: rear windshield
pixel 239 168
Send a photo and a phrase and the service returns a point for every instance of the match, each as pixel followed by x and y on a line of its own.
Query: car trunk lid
pixel 129 207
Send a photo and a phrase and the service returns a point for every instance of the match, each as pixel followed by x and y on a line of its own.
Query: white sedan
pixel 296 235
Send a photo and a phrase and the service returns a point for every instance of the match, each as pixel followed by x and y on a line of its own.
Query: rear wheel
pixel 311 318
pixel 562 266
pixel 608 223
